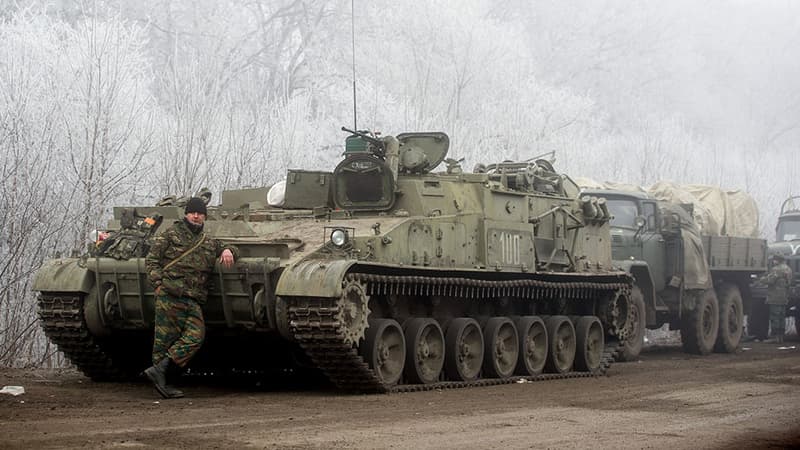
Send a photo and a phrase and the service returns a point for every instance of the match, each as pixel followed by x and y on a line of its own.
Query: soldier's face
pixel 196 218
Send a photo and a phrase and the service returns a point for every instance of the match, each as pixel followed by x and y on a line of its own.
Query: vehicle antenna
pixel 353 36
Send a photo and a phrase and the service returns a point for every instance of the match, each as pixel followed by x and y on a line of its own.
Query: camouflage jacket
pixel 187 277
pixel 778 280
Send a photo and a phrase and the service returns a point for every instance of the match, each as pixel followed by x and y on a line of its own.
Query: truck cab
pixel 787 243
pixel 695 282
pixel 787 231
pixel 635 233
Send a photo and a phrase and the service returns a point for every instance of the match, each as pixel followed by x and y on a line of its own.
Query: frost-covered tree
pixel 117 102
pixel 106 110
pixel 76 125
pixel 28 201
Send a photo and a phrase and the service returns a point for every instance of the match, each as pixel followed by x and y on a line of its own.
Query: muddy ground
pixel 666 400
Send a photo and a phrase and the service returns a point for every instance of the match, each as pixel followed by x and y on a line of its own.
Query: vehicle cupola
pixel 364 180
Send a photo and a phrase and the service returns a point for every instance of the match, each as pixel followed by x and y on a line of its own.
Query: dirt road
pixel 666 400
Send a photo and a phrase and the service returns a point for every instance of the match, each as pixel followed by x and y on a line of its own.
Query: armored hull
pixel 381 275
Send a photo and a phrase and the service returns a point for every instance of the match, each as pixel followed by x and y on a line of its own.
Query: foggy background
pixel 116 102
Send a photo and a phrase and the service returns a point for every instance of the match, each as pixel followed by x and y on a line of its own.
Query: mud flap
pixel 63 275
pixel 313 279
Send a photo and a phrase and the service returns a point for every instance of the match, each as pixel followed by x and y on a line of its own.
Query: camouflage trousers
pixel 179 330
pixel 777 319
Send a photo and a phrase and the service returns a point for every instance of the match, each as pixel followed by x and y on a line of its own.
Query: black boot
pixel 157 373
pixel 172 374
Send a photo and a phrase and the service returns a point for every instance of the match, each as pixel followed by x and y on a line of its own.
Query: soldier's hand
pixel 158 291
pixel 226 259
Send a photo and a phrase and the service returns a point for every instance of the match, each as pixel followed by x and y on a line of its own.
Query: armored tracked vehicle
pixel 381 274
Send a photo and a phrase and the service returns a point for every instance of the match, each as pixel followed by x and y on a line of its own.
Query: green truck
pixel 696 282
pixel 787 243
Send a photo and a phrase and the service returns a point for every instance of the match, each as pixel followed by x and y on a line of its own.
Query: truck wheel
pixel 699 327
pixel 731 318
pixel 633 344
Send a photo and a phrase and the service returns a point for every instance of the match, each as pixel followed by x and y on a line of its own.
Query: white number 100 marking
pixel 510 245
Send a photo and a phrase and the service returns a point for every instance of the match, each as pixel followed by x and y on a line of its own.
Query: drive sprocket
pixel 353 310
pixel 618 314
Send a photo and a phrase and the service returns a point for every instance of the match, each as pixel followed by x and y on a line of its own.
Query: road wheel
pixel 385 350
pixel 463 355
pixel 590 343
pixel 633 343
pixel 501 347
pixel 532 345
pixel 424 350
pixel 561 347
pixel 731 318
pixel 699 326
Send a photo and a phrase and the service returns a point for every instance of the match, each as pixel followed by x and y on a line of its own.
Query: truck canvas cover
pixel 696 272
pixel 717 212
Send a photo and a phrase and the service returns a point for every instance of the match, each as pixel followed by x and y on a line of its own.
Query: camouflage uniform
pixel 179 327
pixel 777 280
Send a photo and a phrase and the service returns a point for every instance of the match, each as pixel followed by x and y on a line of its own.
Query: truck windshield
pixel 624 212
pixel 788 230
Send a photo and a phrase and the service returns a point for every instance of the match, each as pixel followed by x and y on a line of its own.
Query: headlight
pixel 339 237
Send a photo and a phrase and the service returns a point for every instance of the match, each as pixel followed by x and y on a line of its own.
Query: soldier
pixel 777 280
pixel 178 265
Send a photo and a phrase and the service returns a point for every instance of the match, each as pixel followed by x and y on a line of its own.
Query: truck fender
pixel 313 278
pixel 644 279
pixel 63 275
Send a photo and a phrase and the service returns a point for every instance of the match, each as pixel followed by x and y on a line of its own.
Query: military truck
pixel 699 284
pixel 787 243
pixel 381 274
